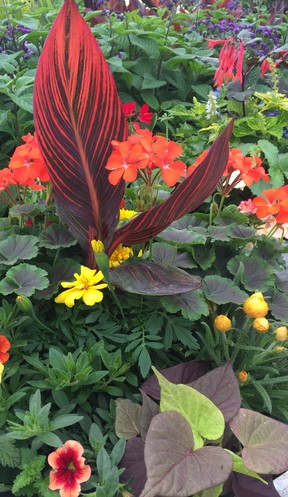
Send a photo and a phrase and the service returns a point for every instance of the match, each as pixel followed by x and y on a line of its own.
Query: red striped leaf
pixel 187 197
pixel 77 114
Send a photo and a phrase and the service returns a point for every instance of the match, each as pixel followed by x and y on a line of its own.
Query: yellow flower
pixel 222 323
pixel 84 287
pixel 1 371
pixel 255 306
pixel 126 214
pixel 97 246
pixel 281 333
pixel 279 349
pixel 242 376
pixel 261 325
pixel 120 255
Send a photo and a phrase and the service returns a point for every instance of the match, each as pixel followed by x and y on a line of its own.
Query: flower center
pixel 71 466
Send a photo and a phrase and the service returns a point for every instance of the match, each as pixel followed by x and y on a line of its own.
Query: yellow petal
pixel 68 284
pixel 97 246
pixel 98 277
pixel 1 371
pixel 92 296
pixel 69 296
pixel 87 273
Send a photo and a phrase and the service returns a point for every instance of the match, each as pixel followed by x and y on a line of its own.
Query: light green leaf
pixel 239 467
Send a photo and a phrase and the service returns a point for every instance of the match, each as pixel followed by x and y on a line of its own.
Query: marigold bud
pixel 242 376
pixel 279 349
pixel 256 306
pixel 222 323
pixel 281 333
pixel 24 304
pixel 261 325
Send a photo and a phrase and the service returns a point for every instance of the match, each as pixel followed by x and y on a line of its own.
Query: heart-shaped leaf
pixel 205 419
pixel 184 238
pixel 239 467
pixel 149 278
pixel 18 247
pixel 24 279
pixel 246 486
pixel 135 469
pixel 185 373
pixel 256 275
pixel 56 236
pixel 128 419
pixel 174 467
pixel 149 410
pixel 222 388
pixel 264 440
pixel 192 305
pixel 222 290
pixel 166 254
pixel 279 305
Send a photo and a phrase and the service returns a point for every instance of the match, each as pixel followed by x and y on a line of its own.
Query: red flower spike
pixel 4 346
pixel 77 115
pixel 230 61
pixel 69 469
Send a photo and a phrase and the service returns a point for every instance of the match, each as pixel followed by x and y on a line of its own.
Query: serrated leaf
pixel 222 290
pixel 270 151
pixel 18 247
pixel 24 279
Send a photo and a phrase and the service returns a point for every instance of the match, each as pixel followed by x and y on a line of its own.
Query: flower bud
pixel 281 333
pixel 222 323
pixel 24 304
pixel 256 306
pixel 261 325
pixel 243 376
pixel 279 349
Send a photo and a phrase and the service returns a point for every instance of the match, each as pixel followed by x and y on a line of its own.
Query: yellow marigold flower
pixel 280 349
pixel 261 325
pixel 126 214
pixel 120 255
pixel 256 306
pixel 1 371
pixel 222 323
pixel 242 376
pixel 97 246
pixel 281 333
pixel 84 287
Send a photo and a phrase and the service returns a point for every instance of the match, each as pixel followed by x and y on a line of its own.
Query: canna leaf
pixel 77 113
pixel 187 197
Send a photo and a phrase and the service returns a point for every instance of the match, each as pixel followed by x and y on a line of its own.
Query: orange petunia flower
pixel 69 469
pixel 4 346
pixel 164 154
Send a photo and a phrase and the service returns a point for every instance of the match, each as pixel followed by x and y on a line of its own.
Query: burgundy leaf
pixel 150 278
pixel 77 113
pixel 149 410
pixel 246 486
pixel 221 386
pixel 133 461
pixel 187 197
pixel 185 373
pixel 128 418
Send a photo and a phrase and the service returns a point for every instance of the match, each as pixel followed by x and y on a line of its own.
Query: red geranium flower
pixel 125 161
pixel 145 116
pixel 69 469
pixel 6 178
pixel 4 346
pixel 164 154
pixel 274 203
pixel 129 109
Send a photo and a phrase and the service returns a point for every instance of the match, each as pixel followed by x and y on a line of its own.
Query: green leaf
pixel 55 237
pixel 150 83
pixel 18 247
pixel 192 305
pixel 9 454
pixel 144 361
pixel 270 151
pixel 103 464
pixel 64 420
pixel 239 467
pixel 148 45
pixel 257 275
pixel 150 100
pixel 279 305
pixel 205 419
pixel 24 279
pixel 222 290
pixel 50 439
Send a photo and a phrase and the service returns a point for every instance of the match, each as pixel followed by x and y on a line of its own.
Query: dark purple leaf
pixel 264 440
pixel 166 254
pixel 133 461
pixel 282 281
pixel 173 467
pixel 192 305
pixel 24 279
pixel 184 238
pixel 240 232
pixel 149 410
pixel 149 278
pixel 185 373
pixel 279 305
pixel 218 233
pixel 245 486
pixel 221 386
pixel 256 273
pixel 222 290
pixel 56 236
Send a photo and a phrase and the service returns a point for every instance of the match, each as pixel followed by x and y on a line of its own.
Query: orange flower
pixel 6 179
pixel 69 469
pixel 230 61
pixel 4 346
pixel 125 161
pixel 164 154
pixel 274 202
pixel 199 159
pixel 249 167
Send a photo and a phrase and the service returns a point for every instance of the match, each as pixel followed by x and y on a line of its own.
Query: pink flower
pixel 247 207
pixel 69 469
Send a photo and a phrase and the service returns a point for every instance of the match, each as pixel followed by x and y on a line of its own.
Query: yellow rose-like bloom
pixel 256 306
pixel 120 255
pixel 97 246
pixel 1 371
pixel 222 323
pixel 281 333
pixel 242 376
pixel 126 214
pixel 261 325
pixel 84 287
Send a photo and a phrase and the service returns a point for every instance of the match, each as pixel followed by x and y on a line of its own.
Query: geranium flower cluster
pixel 141 154
pixel 26 167
pixel 143 115
pixel 273 203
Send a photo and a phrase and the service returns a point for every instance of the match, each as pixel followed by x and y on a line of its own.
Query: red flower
pixel 125 161
pixel 230 61
pixel 129 109
pixel 145 116
pixel 275 203
pixel 69 469
pixel 164 154
pixel 6 179
pixel 250 167
pixel 27 164
pixel 4 346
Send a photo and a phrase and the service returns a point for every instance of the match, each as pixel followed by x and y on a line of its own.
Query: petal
pixel 71 489
pixel 115 176
pixel 92 296
pixel 4 357
pixel 98 277
pixel 76 446
pixel 68 284
pixel 69 296
pixel 54 483
pixel 87 273
pixel 4 343
pixel 85 474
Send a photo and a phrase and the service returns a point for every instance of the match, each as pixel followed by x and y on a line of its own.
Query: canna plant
pixel 77 115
